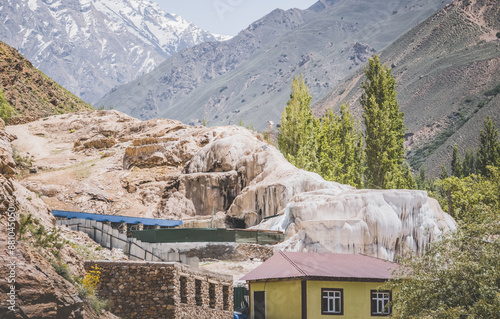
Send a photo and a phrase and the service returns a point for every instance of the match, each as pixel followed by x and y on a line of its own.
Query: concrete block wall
pixel 153 290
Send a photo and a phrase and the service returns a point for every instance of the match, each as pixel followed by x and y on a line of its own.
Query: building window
pixel 380 303
pixel 259 305
pixel 225 297
pixel 332 301
pixel 198 296
pixel 183 288
pixel 211 295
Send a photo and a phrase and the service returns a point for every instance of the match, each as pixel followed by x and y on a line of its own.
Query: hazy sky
pixel 227 17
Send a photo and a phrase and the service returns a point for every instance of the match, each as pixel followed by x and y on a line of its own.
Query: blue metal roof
pixel 118 219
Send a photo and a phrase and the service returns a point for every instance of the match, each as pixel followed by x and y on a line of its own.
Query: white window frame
pixel 332 294
pixel 382 299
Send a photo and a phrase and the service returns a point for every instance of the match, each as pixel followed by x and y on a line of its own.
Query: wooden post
pixel 269 134
pixel 212 223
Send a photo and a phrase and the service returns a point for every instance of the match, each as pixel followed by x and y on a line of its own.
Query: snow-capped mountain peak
pixel 90 46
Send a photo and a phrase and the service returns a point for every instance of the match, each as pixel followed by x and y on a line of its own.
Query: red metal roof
pixel 339 266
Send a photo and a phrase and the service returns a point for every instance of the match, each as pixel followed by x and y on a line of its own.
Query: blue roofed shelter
pixel 118 219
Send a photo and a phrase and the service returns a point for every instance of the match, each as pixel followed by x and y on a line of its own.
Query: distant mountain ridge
pixel 90 46
pixel 183 73
pixel 447 69
pixel 248 77
pixel 31 93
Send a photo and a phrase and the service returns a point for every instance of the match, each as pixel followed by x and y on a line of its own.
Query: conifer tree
pixel 456 164
pixel 469 163
pixel 489 147
pixel 444 173
pixel 421 179
pixel 384 152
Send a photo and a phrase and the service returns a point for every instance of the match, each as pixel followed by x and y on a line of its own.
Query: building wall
pixel 356 298
pixel 156 290
pixel 283 298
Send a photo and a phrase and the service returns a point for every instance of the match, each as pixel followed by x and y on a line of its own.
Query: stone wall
pixel 163 290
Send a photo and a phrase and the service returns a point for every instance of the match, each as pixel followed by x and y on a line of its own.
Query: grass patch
pixel 62 270
pixel 417 156
pixel 48 243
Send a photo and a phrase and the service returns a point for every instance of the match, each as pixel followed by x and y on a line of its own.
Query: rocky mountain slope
pixel 108 162
pixel 30 92
pixel 226 82
pixel 90 46
pixel 40 290
pixel 447 73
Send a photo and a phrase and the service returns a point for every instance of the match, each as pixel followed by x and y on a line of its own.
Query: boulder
pixel 7 164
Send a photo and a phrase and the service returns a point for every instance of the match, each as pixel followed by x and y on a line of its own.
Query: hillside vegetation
pixel 447 73
pixel 29 92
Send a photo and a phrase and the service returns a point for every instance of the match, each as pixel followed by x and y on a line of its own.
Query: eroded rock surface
pixel 380 223
pixel 40 292
pixel 108 162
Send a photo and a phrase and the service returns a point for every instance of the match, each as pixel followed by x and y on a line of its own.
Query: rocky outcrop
pixel 28 281
pixel 7 164
pixel 162 168
pixel 380 223
pixel 40 291
pixel 267 181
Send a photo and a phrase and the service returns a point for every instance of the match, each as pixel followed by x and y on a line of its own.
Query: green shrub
pixel 6 110
pixel 25 223
pixel 62 270
pixel 21 161
pixel 494 91
pixel 97 304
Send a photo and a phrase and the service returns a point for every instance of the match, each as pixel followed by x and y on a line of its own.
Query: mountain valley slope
pixel 447 69
pixel 326 46
pixel 31 93
pixel 91 46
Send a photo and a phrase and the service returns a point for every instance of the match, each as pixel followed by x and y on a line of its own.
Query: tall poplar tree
pixel 340 148
pixel 489 147
pixel 296 138
pixel 469 163
pixel 456 163
pixel 384 137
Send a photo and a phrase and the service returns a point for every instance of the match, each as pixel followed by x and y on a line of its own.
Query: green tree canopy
pixel 296 139
pixel 6 110
pixel 458 277
pixel 384 136
pixel 340 148
pixel 489 147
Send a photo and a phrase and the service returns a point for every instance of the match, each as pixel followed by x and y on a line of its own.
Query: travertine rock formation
pixel 108 162
pixel 266 180
pixel 380 223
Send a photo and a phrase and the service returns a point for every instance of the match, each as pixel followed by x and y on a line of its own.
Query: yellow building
pixel 293 285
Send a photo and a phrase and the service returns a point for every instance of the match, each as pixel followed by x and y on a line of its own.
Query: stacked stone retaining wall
pixel 153 290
